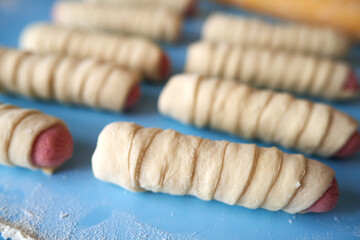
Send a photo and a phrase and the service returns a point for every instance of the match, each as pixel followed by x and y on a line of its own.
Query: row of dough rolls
pixel 86 82
pixel 153 23
pixel 157 160
pixel 292 37
pixel 238 109
pixel 294 72
pixel 136 54
pixel 32 139
pixel 187 7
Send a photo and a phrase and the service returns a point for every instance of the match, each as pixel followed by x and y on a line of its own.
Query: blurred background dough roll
pixel 137 54
pixel 89 82
pixel 153 23
pixel 276 69
pixel 180 6
pixel 238 30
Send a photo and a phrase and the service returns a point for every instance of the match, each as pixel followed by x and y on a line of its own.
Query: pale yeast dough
pixel 180 6
pixel 294 72
pixel 273 117
pixel 137 54
pixel 166 161
pixel 154 23
pixel 20 128
pixel 238 30
pixel 88 81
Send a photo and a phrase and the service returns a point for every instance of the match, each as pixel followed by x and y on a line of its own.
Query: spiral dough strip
pixel 154 23
pixel 157 160
pixel 136 54
pixel 88 82
pixel 272 69
pixel 292 37
pixel 20 128
pixel 179 6
pixel 273 117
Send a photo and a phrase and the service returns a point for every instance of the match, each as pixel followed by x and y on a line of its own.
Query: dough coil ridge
pixel 241 174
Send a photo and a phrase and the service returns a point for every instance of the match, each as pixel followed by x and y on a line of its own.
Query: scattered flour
pixel 30 214
pixel 356 231
pixel 50 215
pixel 63 215
pixel 8 231
pixel 29 130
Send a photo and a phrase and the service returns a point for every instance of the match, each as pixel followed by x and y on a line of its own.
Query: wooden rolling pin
pixel 341 14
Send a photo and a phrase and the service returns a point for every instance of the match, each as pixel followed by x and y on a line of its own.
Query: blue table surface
pixel 72 204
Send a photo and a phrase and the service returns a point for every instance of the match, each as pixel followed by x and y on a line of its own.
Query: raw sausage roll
pixel 273 117
pixel 274 69
pixel 166 161
pixel 89 82
pixel 32 139
pixel 133 53
pixel 180 6
pixel 292 37
pixel 154 23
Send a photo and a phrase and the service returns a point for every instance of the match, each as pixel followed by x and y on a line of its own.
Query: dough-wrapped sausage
pixel 88 82
pixel 137 54
pixel 292 37
pixel 187 7
pixel 32 139
pixel 274 69
pixel 273 117
pixel 153 23
pixel 157 160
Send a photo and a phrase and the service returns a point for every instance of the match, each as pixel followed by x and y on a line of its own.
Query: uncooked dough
pixel 295 72
pixel 152 159
pixel 273 117
pixel 88 81
pixel 137 54
pixel 292 37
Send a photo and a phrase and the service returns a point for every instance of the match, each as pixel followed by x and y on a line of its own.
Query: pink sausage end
pixel 191 9
pixel 165 66
pixel 52 147
pixel 133 96
pixel 352 83
pixel 328 201
pixel 350 147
